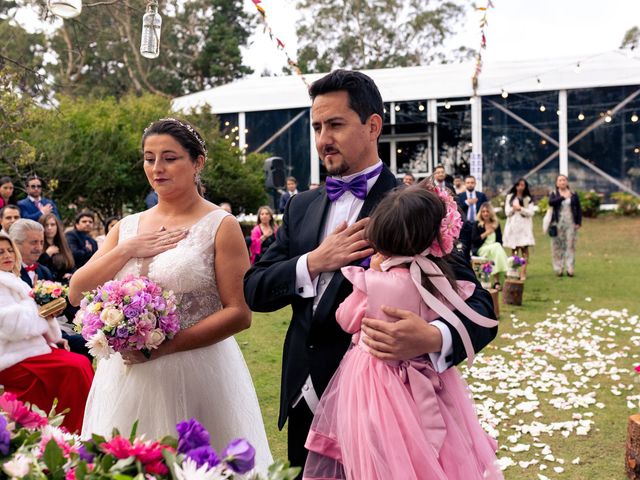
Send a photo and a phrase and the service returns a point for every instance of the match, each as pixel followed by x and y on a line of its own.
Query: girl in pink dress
pixel 402 420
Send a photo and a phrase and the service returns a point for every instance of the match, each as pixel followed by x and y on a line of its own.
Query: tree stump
pixel 632 457
pixel 512 291
pixel 495 297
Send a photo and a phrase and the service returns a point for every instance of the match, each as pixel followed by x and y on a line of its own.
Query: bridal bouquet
pixel 50 296
pixel 124 315
pixel 33 446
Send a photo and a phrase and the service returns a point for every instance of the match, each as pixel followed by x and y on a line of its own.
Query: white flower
pixel 190 471
pixel 98 346
pixel 18 467
pixel 148 318
pixel 154 339
pixel 94 307
pixel 111 316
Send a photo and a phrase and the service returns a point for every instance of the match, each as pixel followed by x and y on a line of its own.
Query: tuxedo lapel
pixel 386 182
pixel 25 277
pixel 313 221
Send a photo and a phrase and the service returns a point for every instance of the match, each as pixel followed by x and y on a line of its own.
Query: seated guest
pixel 9 214
pixel 6 191
pixel 263 234
pixel 32 366
pixel 35 205
pixel 57 256
pixel 82 245
pixel 29 238
pixel 109 223
pixel 486 241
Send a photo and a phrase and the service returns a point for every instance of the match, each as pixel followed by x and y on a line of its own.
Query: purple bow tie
pixel 357 186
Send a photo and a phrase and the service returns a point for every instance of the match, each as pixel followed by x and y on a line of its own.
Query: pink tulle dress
pixel 396 420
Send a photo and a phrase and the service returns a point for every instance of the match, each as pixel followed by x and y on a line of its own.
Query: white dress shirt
pixel 347 207
pixel 471 211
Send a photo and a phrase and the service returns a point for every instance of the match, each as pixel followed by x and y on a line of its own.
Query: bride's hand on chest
pixel 154 243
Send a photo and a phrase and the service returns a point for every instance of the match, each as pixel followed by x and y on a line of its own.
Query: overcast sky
pixel 518 29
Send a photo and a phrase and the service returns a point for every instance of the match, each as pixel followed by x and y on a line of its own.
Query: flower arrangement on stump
pixel 486 269
pixel 515 264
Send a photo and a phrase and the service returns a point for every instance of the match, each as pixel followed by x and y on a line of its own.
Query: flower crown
pixel 450 227
pixel 187 127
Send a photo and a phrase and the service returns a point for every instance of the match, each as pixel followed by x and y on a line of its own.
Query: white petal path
pixel 566 357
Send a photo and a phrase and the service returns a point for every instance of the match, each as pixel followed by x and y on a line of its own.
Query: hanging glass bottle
pixel 151 23
pixel 65 8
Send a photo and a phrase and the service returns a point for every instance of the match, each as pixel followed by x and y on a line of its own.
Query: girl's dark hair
pixel 108 221
pixel 406 223
pixel 64 259
pixel 526 193
pixel 182 131
pixel 4 180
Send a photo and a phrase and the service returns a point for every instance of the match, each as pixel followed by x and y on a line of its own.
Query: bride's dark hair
pixel 182 131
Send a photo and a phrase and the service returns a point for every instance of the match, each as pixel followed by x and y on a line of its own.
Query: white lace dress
pixel 211 384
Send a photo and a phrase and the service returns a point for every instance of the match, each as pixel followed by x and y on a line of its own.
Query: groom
pixel 322 231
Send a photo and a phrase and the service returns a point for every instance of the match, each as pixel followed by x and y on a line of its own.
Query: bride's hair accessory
pixel 450 227
pixel 192 131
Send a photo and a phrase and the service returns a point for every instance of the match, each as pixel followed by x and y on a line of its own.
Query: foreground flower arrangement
pixel 33 446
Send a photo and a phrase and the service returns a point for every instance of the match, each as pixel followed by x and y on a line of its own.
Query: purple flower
pixel 191 435
pixel 122 332
pixel 85 454
pixel 5 437
pixel 202 455
pixel 240 456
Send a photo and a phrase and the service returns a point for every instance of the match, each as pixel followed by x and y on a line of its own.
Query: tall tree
pixel 366 34
pixel 97 53
pixel 631 38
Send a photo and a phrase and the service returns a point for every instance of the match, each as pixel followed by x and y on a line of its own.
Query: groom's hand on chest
pixel 342 247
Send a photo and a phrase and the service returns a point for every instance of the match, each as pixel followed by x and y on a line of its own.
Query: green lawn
pixel 571 348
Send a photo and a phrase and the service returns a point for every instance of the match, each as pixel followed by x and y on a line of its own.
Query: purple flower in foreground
pixel 240 456
pixel 85 454
pixel 202 455
pixel 191 434
pixel 5 437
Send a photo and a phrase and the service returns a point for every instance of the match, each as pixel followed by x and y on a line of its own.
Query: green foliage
pixel 89 151
pixel 590 203
pixel 627 204
pixel 631 38
pixel 365 35
pixel 98 52
pixel 543 205
pixel 228 179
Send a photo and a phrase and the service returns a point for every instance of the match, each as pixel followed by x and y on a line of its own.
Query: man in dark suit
pixel 80 241
pixel 322 231
pixel 29 237
pixel 470 199
pixel 292 189
pixel 441 180
pixel 35 205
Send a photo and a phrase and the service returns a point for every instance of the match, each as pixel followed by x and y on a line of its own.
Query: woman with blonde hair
pixel 57 255
pixel 486 241
pixel 263 234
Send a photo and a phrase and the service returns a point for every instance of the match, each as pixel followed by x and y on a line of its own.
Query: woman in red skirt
pixel 31 364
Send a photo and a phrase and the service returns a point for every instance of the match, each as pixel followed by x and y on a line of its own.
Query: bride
pixel 188 245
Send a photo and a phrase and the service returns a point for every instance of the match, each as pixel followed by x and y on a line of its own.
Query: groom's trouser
pixel 300 418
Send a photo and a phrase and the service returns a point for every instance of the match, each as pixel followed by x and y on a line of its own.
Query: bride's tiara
pixel 187 127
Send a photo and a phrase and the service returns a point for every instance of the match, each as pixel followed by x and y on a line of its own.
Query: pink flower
pixel 119 447
pixel 637 369
pixel 19 413
pixel 148 452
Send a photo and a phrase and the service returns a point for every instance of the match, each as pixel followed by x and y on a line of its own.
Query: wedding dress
pixel 211 384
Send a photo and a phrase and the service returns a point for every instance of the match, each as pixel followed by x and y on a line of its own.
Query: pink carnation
pixel 119 447
pixel 19 413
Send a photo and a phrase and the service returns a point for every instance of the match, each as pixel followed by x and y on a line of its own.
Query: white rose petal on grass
pixel 505 462
pixel 558 469
pixel 542 477
pixel 99 346
pixel 576 461
pixel 520 447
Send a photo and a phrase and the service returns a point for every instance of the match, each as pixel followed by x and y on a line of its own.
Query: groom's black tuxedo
pixel 315 343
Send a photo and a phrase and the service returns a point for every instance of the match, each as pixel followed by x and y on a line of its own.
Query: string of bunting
pixel 483 45
pixel 280 44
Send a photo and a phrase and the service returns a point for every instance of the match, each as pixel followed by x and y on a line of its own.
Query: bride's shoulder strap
pixel 208 227
pixel 128 226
